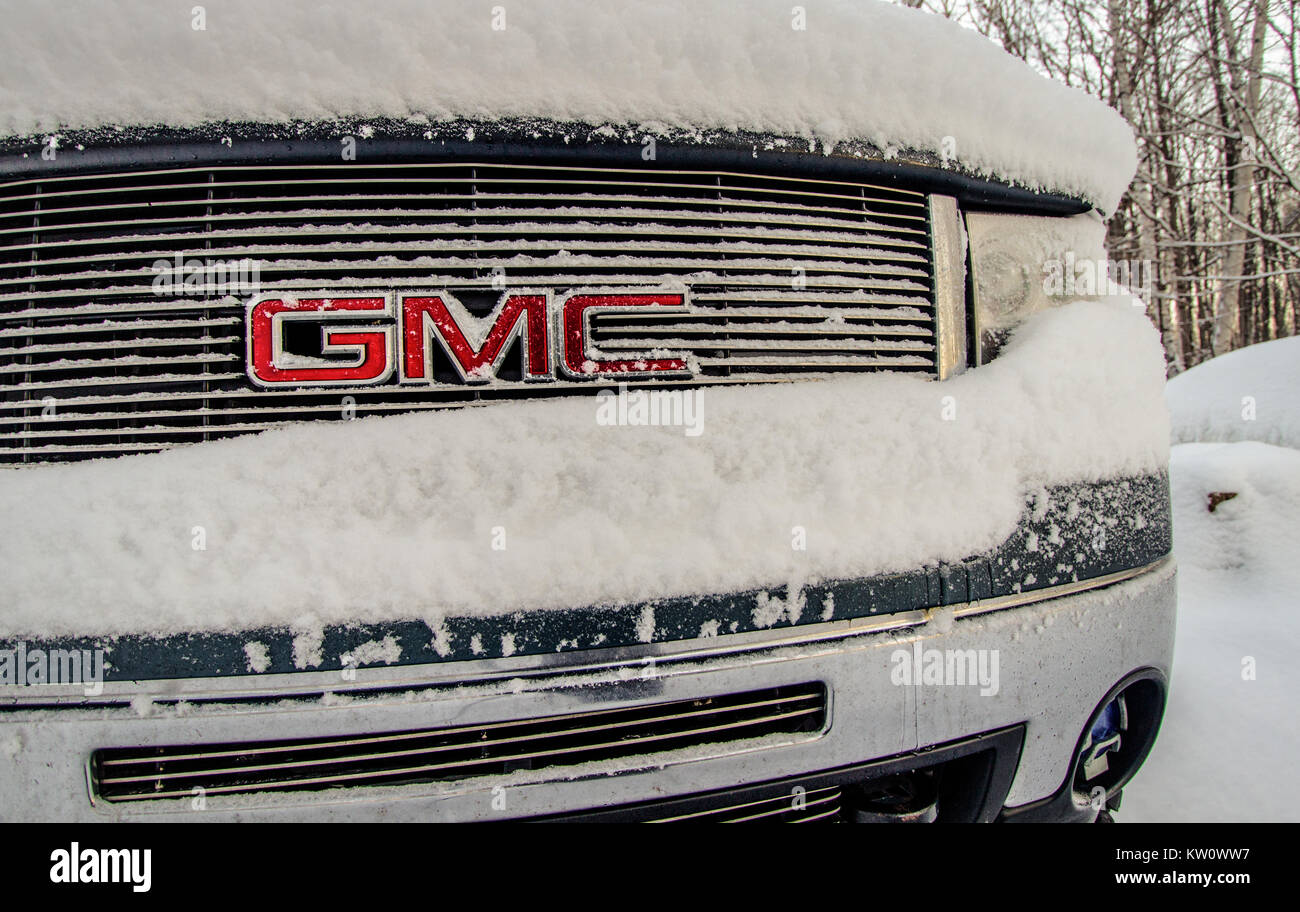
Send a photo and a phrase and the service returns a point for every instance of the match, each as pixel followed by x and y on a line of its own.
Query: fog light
pixel 1118 738
pixel 902 798
pixel 1103 738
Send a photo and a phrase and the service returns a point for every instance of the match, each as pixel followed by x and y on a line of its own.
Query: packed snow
pixel 259 657
pixel 836 70
pixel 1231 733
pixel 372 652
pixel 538 505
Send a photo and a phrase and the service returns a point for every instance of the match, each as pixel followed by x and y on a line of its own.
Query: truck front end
pixel 535 468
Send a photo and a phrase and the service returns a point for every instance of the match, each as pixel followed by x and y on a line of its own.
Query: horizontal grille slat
pixel 203 174
pixel 618 736
pixel 190 415
pixel 892 262
pixel 642 343
pixel 92 450
pixel 91 347
pixel 814 809
pixel 834 278
pixel 789 221
pixel 786 278
pixel 386 201
pixel 812 362
pixel 124 308
pixel 149 380
pixel 127 362
pixel 180 431
pixel 885 276
pixel 824 813
pixel 889 196
pixel 108 326
pixel 815 804
pixel 289 400
pixel 642 229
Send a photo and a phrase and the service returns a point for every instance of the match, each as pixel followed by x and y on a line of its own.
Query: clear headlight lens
pixel 1021 264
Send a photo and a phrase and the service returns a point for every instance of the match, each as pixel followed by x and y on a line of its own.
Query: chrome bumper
pixel 1057 653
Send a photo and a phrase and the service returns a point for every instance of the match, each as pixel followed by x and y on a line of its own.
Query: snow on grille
pixel 787 277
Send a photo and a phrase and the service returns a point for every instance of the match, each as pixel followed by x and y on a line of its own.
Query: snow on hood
pixel 396 517
pixel 862 70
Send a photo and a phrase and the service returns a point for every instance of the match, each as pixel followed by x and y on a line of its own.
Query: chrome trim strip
pixel 632 660
pixel 1072 588
pixel 949 251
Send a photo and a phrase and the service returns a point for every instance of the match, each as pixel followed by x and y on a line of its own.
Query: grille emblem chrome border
pixel 555 332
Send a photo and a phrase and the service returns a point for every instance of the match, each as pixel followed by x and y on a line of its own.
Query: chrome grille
pixel 787 277
pixel 445 754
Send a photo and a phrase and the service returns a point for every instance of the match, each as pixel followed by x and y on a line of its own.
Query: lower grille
pixel 964 781
pixel 446 754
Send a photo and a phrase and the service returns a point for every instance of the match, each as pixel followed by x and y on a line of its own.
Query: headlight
pixel 1021 264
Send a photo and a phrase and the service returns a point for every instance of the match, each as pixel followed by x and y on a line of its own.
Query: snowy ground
pixel 1232 733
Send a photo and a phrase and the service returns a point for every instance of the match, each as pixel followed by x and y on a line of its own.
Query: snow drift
pixel 1252 393
pixel 396 517
pixel 897 78
pixel 1235 675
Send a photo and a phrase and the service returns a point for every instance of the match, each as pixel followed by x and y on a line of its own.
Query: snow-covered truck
pixel 683 412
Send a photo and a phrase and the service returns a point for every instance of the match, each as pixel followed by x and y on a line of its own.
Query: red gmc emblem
pixel 366 339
